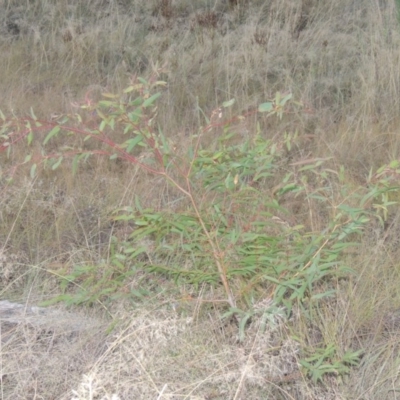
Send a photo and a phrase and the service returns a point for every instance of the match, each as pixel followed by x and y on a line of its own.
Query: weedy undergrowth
pixel 230 227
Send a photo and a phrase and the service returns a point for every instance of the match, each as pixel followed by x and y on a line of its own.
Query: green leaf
pixel 102 125
pixel 131 143
pixel 30 137
pixel 33 114
pixel 166 147
pixel 159 83
pixel 151 100
pixel 242 326
pixel 55 300
pixel 286 99
pixel 110 95
pixel 265 107
pixel 394 164
pixel 33 171
pixel 134 252
pixel 52 133
pixel 137 204
pixel 100 114
pixel 124 218
pixel 228 103
pixel 229 182
pixel 135 115
pixel 137 102
pixel 75 163
pixel 57 164
pixel 105 103
pixel 129 89
pixel 143 222
pixel 329 293
pixel 273 280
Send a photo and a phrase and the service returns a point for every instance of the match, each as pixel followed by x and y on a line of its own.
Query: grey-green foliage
pixel 327 360
pixel 230 227
pixel 287 261
pixel 229 230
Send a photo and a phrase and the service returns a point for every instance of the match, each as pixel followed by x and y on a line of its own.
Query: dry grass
pixel 341 59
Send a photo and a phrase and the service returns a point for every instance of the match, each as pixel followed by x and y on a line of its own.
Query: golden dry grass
pixel 341 59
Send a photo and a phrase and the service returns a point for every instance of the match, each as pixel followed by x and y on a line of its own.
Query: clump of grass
pixel 338 58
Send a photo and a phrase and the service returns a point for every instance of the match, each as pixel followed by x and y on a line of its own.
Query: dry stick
pixel 216 252
pixel 214 246
pixel 162 391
